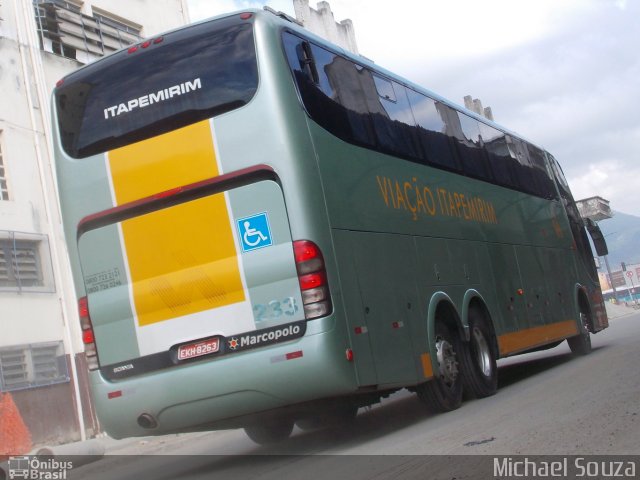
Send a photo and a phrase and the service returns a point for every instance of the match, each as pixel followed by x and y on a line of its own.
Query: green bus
pixel 265 230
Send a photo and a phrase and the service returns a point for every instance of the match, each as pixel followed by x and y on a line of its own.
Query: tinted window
pixel 467 133
pixel 540 176
pixel 521 165
pixel 497 150
pixel 193 74
pixel 394 124
pixel 365 108
pixel 350 101
pixel 431 129
pixel 333 95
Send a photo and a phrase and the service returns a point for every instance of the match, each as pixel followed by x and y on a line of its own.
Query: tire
pixel 337 418
pixel 272 431
pixel 443 393
pixel 479 368
pixel 581 344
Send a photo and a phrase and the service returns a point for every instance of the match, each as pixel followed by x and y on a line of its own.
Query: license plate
pixel 198 349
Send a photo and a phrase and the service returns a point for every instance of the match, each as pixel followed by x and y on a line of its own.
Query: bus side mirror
pixel 597 237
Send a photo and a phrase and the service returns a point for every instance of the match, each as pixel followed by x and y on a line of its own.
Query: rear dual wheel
pixel 479 368
pixel 444 392
pixel 470 367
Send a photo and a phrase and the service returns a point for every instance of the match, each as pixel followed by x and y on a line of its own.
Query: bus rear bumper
pixel 209 394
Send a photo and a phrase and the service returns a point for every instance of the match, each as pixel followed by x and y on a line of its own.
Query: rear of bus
pixel 202 285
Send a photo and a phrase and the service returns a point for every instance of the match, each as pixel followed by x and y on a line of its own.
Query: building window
pixel 35 365
pixel 66 31
pixel 25 264
pixel 4 189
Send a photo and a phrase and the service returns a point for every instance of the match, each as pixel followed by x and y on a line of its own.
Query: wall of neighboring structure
pixel 155 16
pixel 38 317
pixel 322 23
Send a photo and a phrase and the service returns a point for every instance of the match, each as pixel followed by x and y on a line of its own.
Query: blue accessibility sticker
pixel 254 232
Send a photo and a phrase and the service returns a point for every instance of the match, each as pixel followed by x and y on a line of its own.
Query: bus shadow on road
pixel 530 366
pixel 399 412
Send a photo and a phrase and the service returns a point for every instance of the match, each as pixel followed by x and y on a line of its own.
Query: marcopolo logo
pixel 38 468
pixel 266 336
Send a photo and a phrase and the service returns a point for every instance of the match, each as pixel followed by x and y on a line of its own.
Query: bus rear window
pixel 189 76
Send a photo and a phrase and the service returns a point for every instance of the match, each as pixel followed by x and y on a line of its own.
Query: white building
pixel 322 23
pixel 41 359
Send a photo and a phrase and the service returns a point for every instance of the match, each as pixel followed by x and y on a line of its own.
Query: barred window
pixel 25 263
pixel 34 365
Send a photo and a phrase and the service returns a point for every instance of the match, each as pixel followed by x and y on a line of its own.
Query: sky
pixel 565 74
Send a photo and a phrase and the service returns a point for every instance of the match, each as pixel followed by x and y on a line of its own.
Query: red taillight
pixel 305 250
pixel 60 82
pixel 133 49
pixel 158 40
pixel 313 279
pixel 245 16
pixel 88 338
pixel 83 307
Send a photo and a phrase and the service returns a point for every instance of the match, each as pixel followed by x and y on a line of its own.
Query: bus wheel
pixel 581 344
pixel 271 431
pixel 444 392
pixel 479 368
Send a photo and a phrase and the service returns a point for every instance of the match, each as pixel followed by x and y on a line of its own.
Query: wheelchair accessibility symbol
pixel 254 232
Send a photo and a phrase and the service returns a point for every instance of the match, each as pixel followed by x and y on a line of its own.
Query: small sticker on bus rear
pixel 254 232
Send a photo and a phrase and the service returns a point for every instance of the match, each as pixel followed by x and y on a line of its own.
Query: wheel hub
pixel 482 351
pixel 447 361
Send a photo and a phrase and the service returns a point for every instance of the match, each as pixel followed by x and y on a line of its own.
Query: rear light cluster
pixel 313 279
pixel 88 337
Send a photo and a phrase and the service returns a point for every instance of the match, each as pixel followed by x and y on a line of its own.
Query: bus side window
pixel 393 120
pixel 521 163
pixel 543 182
pixel 336 100
pixel 433 141
pixel 495 145
pixel 467 133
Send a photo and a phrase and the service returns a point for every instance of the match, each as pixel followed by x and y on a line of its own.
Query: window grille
pixel 25 263
pixel 35 365
pixel 64 30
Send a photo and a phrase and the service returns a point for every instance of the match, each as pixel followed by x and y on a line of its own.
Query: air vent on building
pixel 28 366
pixel 66 31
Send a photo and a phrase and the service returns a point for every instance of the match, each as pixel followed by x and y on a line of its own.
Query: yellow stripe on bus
pixel 183 259
pixel 534 337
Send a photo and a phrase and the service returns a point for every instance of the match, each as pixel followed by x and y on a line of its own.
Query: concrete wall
pixel 27 77
pixel 322 23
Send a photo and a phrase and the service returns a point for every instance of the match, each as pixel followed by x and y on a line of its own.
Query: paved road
pixel 548 403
